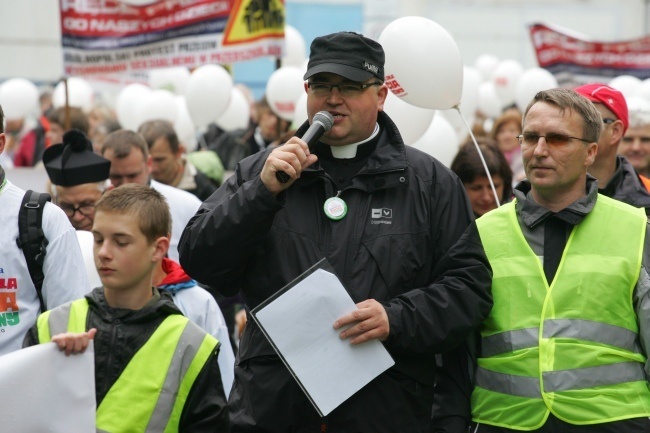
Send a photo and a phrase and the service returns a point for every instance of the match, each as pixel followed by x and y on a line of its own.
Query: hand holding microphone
pixel 322 122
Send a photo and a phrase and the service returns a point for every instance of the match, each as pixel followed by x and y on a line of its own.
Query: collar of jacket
pixel 626 186
pixel 532 213
pixel 176 278
pixel 163 306
pixel 385 168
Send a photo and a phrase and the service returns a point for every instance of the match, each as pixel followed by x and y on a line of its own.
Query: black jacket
pixel 398 244
pixel 235 145
pixel 626 186
pixel 204 186
pixel 121 333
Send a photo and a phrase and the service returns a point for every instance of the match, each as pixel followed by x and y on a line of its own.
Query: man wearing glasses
pixel 391 236
pixel 616 176
pixel 79 177
pixel 565 346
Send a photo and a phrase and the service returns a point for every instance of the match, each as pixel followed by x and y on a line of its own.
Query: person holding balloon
pixel 390 219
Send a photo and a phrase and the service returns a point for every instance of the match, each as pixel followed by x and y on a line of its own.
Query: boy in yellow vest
pixel 154 369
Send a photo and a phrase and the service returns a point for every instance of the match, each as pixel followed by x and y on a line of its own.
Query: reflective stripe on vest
pixel 569 347
pixel 565 380
pixel 166 366
pixel 589 330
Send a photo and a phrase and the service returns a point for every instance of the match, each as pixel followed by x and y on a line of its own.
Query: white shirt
pixel 200 307
pixel 65 274
pixel 182 205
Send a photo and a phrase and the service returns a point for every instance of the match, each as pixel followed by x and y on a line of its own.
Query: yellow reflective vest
pixel 150 394
pixel 571 347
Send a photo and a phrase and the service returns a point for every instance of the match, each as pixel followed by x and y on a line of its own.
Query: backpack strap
pixel 31 238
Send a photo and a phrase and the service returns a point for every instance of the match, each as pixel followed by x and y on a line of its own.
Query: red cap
pixel 609 97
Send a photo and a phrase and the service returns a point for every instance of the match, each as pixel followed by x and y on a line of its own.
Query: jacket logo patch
pixel 381 215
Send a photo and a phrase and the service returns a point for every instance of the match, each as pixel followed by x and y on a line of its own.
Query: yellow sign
pixel 250 20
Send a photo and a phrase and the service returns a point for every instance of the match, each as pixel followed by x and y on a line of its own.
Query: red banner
pixel 575 60
pixel 108 36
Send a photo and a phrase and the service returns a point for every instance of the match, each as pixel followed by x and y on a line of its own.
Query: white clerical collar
pixel 349 151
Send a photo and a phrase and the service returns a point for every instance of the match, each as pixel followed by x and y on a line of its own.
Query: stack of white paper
pixel 299 325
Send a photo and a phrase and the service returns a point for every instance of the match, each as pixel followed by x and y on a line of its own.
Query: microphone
pixel 322 122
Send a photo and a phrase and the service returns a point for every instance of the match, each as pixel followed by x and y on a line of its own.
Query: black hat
pixel 73 162
pixel 348 54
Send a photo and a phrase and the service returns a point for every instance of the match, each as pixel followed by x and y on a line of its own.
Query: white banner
pixel 46 391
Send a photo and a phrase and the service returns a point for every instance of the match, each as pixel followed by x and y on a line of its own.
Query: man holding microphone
pixel 389 219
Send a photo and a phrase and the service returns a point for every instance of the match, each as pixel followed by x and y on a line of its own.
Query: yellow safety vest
pixel 571 348
pixel 150 394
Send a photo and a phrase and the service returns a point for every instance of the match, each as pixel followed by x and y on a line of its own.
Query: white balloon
pixel 628 85
pixel 19 99
pixel 439 140
pixel 283 89
pixel 638 104
pixel 158 105
pixel 469 99
pixel 128 105
pixel 423 63
pixel 411 121
pixel 303 66
pixel 208 94
pixel 184 126
pixel 505 77
pixel 294 47
pixel 80 94
pixel 172 79
pixel 456 121
pixel 237 114
pixel 532 81
pixel 644 90
pixel 86 243
pixel 300 114
pixel 489 103
pixel 485 64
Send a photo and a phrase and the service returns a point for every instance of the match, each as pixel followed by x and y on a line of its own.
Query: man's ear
pixel 161 245
pixel 3 141
pixel 618 130
pixel 592 151
pixel 149 164
pixel 181 149
pixel 382 94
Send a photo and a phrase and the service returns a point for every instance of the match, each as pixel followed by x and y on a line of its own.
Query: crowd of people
pixel 510 289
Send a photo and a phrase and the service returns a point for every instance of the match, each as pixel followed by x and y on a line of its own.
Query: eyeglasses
pixel 84 209
pixel 530 139
pixel 346 90
pixel 608 120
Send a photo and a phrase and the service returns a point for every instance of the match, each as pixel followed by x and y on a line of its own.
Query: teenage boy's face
pixel 123 256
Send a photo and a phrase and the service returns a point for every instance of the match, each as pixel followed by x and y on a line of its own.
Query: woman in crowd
pixel 469 168
pixel 505 131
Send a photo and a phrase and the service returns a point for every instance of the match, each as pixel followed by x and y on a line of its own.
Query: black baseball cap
pixel 347 54
pixel 73 162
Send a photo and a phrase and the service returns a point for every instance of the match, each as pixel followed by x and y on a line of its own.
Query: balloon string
pixel 480 154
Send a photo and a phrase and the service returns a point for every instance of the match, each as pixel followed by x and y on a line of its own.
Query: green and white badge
pixel 335 208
